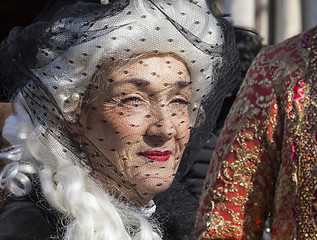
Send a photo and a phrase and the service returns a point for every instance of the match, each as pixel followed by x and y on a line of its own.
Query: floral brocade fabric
pixel 265 162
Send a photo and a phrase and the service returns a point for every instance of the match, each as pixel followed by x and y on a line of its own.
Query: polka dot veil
pixel 129 91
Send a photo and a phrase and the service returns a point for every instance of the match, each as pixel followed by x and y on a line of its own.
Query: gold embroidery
pixel 306 141
pixel 267 151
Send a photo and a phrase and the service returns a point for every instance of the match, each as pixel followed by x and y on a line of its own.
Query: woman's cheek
pixel 183 128
pixel 129 123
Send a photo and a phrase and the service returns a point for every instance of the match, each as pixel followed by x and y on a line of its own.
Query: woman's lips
pixel 158 156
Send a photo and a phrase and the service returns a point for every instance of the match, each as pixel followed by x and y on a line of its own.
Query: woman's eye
pixel 180 101
pixel 130 100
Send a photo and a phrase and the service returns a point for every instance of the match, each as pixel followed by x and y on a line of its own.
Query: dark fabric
pixel 21 220
pixel 196 175
pixel 176 212
pixel 249 43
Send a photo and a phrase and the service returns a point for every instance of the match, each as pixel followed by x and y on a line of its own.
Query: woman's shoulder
pixel 24 220
pixel 282 65
pixel 292 50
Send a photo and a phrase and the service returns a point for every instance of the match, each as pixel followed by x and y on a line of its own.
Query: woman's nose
pixel 162 127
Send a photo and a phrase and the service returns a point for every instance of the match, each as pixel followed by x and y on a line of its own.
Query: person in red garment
pixel 265 160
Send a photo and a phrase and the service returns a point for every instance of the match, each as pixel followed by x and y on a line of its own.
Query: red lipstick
pixel 158 156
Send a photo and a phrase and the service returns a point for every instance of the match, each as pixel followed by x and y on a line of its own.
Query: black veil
pixel 39 61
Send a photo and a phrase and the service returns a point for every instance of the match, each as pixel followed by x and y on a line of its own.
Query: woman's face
pixel 137 117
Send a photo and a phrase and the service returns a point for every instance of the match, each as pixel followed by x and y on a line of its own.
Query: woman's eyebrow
pixel 138 82
pixel 182 84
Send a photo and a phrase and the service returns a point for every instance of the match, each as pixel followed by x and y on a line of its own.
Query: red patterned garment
pixel 265 162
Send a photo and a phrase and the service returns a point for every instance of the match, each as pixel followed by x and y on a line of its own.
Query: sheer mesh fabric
pixel 62 66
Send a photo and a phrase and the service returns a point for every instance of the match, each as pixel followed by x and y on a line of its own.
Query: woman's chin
pixel 153 186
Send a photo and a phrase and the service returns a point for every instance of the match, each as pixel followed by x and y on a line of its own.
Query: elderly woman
pixel 113 102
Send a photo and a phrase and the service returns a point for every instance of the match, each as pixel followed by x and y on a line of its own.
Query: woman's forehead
pixel 154 66
pixel 160 71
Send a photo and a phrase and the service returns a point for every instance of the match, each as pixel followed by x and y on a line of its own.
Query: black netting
pixel 53 65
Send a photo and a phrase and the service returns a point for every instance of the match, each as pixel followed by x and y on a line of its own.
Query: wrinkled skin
pixel 137 116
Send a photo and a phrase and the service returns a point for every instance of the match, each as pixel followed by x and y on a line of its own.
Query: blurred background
pixel 274 20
